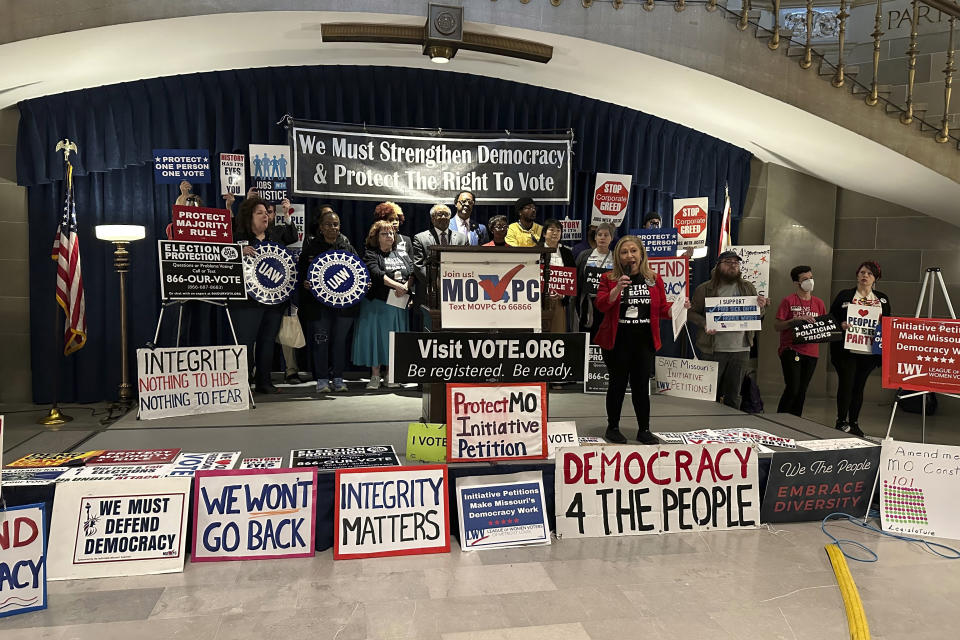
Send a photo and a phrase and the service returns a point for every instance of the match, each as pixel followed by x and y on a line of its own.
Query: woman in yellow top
pixel 524 232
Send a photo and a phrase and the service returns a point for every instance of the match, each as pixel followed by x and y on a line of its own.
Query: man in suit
pixel 476 233
pixel 439 233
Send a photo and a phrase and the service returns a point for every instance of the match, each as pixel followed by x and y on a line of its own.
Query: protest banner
pixel 502 511
pixel 862 322
pixel 338 279
pixel 611 193
pixel 675 272
pixel 658 243
pixel 726 436
pixel 35 476
pixel 201 224
pixel 496 422
pixel 270 462
pixel 507 356
pixel 116 472
pixel 183 381
pixel 572 230
pixel 597 379
pixel 254 514
pixel 835 443
pixel 270 275
pixel 391 512
pixel 135 456
pixel 54 459
pixel 426 442
pixel 560 434
pixel 740 313
pixel 413 165
pixel 755 266
pixel 298 218
pixel 270 171
pixel 330 458
pixel 918 489
pixel 23 559
pixel 233 172
pixel 563 281
pixel 170 166
pixel 188 464
pixel 200 271
pixel 592 275
pixel 686 378
pixel 501 292
pixel 912 343
pixel 584 440
pixel 624 490
pixel 810 485
pixel 690 221
pixel 118 528
pixel 825 329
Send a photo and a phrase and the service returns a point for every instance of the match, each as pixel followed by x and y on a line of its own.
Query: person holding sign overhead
pixel 525 232
pixel 853 369
pixel 591 264
pixel 633 300
pixel 798 361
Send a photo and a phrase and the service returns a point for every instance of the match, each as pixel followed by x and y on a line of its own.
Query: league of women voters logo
pixel 271 275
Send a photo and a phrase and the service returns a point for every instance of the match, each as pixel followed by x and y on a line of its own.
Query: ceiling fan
pixel 441 37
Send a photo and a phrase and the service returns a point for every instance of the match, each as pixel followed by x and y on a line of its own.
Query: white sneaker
pixel 374 383
pixel 392 385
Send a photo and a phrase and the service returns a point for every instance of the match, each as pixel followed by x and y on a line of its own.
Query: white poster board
pixel 561 434
pixel 502 511
pixel 495 421
pixel 737 313
pixel 184 381
pixel 690 221
pixel 686 378
pixel 233 174
pixel 299 220
pixel 490 291
pixel 755 267
pixel 23 559
pixel 118 528
pixel 639 490
pixel 270 462
pixel 862 321
pixel 918 489
pixel 188 464
pixel 611 194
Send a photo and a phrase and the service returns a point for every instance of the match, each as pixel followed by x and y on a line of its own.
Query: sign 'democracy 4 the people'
pixel 500 292
pixel 921 354
pixel 496 422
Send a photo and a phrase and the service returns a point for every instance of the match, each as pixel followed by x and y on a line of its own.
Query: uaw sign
pixel 411 165
pixel 499 291
pixel 271 275
pixel 338 279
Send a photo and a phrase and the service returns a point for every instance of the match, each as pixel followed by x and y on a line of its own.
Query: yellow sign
pixel 427 442
pixel 52 459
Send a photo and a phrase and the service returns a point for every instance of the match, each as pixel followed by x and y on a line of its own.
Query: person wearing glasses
pixel 730 349
pixel 392 213
pixel 652 220
pixel 440 234
pixel 798 361
pixel 476 233
pixel 525 232
pixel 385 307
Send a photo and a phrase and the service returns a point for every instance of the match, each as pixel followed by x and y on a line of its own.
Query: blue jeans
pixel 329 331
pixel 257 327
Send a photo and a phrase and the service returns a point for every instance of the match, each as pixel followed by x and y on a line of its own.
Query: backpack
pixel 750 400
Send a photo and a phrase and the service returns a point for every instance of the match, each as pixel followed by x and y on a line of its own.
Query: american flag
pixel 725 239
pixel 66 251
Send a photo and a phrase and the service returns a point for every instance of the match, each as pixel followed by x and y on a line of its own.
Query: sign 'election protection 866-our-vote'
pixel 200 270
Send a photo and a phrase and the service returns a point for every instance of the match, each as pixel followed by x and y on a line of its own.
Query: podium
pixel 461 258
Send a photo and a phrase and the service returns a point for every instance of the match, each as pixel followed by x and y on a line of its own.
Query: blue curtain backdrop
pixel 117 127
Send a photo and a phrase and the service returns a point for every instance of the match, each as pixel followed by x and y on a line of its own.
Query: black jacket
pixel 376 262
pixel 839 312
pixel 568 261
pixel 309 308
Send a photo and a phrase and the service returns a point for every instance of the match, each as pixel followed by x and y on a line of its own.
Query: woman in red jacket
pixel 633 300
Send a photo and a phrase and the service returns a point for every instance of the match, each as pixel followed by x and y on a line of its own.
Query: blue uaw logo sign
pixel 338 279
pixel 271 275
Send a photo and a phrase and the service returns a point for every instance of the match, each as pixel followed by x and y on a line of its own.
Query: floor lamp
pixel 121 235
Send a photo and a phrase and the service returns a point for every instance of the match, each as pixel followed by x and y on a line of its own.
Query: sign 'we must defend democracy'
pixel 412 165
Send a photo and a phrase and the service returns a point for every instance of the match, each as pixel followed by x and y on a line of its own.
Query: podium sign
pixel 487 290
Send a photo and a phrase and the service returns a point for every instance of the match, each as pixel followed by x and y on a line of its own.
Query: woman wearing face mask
pixel 798 361
pixel 591 265
pixel 853 369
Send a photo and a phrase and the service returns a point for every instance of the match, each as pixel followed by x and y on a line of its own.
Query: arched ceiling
pixel 772 130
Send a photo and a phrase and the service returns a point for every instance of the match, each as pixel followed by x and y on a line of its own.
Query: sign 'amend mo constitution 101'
pixel 412 165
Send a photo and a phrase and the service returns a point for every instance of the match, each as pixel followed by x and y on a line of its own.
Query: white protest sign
pixel 611 193
pixel 675 272
pixel 918 489
pixel 40 475
pixel 686 378
pixel 270 170
pixel 298 218
pixel 116 472
pixel 755 266
pixel 496 421
pixel 187 464
pixel 624 490
pixel 390 511
pixel 502 511
pixel 118 528
pixel 490 291
pixel 560 434
pixel 678 316
pixel 183 381
pixel 835 443
pixel 272 462
pixel 690 221
pixel 862 322
pixel 738 313
pixel 572 230
pixel 233 178
pixel 23 559
pixel 255 514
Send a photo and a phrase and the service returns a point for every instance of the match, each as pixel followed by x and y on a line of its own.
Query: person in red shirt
pixel 797 360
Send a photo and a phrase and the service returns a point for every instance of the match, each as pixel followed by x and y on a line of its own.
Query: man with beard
pixel 525 232
pixel 476 233
pixel 730 349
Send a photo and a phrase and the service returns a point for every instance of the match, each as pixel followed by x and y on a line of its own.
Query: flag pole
pixel 55 417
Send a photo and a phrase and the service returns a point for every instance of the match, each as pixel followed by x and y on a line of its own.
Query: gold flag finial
pixel 67 147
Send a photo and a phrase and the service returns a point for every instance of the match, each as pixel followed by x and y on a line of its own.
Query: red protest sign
pixel 611 193
pixel 136 456
pixel 563 280
pixel 921 354
pixel 201 224
pixel 691 221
